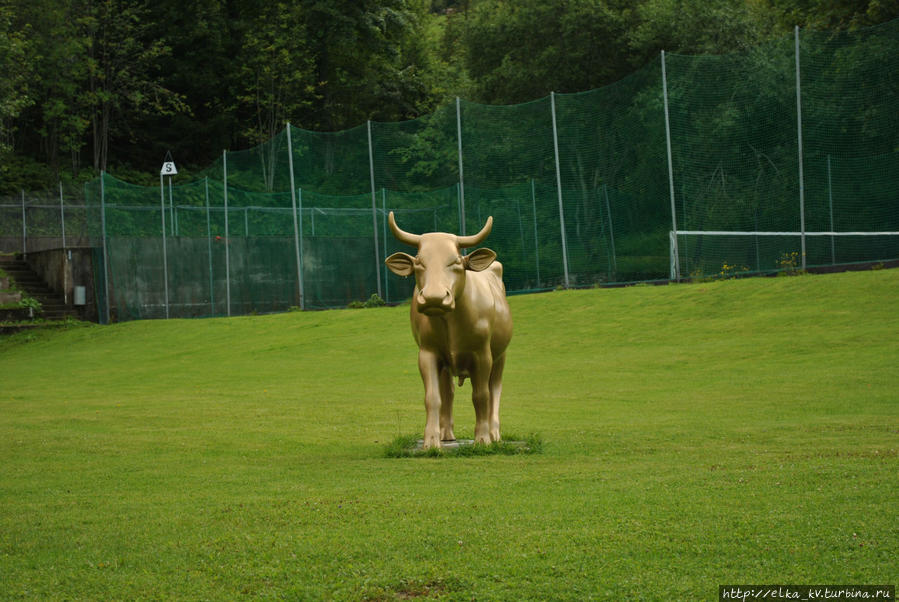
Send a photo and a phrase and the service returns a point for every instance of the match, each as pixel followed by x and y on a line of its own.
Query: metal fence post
pixel 672 254
pixel 24 228
pixel 172 208
pixel 374 215
pixel 536 244
pixel 605 190
pixel 227 236
pixel 833 254
pixel 296 226
pixel 105 249
pixel 461 171
pixel 384 232
pixel 300 230
pixel 209 250
pixel 675 255
pixel 520 225
pixel 62 217
pixel 165 257
pixel 552 100
pixel 799 138
pixel 65 255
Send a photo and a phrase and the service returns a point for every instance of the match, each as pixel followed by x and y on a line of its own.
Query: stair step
pixel 53 305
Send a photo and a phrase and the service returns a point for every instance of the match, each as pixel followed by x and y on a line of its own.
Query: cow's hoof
pixel 482 433
pixel 430 442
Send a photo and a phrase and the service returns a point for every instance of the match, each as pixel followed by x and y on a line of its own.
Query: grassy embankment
pixel 694 435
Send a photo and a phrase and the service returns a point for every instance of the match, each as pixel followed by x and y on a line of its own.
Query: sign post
pixel 168 169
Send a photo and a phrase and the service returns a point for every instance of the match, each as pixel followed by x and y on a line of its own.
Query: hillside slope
pixel 726 432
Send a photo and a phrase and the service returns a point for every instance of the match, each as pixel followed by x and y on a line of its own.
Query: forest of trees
pixel 90 85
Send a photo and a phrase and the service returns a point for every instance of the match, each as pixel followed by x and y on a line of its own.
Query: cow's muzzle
pixel 434 305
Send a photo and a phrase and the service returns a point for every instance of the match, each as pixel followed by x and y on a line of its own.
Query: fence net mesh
pixel 578 185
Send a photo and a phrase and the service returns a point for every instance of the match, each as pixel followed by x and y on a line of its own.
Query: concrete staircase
pixel 53 304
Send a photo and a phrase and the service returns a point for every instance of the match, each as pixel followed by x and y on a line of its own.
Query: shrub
pixel 788 264
pixel 374 301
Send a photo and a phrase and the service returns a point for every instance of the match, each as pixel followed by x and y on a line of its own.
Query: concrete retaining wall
pixel 63 270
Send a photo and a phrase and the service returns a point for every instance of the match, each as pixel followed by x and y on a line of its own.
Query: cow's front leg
pixel 446 405
pixel 480 397
pixel 429 367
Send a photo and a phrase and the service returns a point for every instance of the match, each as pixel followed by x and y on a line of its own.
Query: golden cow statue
pixel 462 324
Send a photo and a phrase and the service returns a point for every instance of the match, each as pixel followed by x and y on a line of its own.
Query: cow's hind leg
pixel 446 405
pixel 480 397
pixel 496 390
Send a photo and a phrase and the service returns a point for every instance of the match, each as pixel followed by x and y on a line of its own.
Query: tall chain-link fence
pixel 781 157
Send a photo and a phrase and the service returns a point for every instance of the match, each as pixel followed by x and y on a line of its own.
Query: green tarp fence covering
pixel 781 156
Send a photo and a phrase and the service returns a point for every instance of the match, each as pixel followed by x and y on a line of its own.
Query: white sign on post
pixel 168 169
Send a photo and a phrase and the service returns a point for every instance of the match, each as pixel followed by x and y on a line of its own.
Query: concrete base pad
pixel 457 443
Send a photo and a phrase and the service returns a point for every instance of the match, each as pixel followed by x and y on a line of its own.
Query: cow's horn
pixel 475 239
pixel 402 235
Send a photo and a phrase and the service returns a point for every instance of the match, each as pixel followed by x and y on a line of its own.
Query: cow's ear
pixel 479 260
pixel 400 264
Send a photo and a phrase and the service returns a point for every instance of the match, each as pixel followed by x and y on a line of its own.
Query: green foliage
pixel 518 51
pixel 277 70
pixel 374 301
pixel 19 172
pixel 25 302
pixel 789 264
pixel 15 65
pixel 120 83
pixel 729 271
pixel 94 69
pixel 367 61
pixel 679 26
pixel 32 304
pixel 697 275
pixel 826 14
pixel 402 447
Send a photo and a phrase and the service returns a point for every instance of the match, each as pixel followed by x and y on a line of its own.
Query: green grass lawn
pixel 693 435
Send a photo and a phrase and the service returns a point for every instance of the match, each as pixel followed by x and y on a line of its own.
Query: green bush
pixel 374 301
